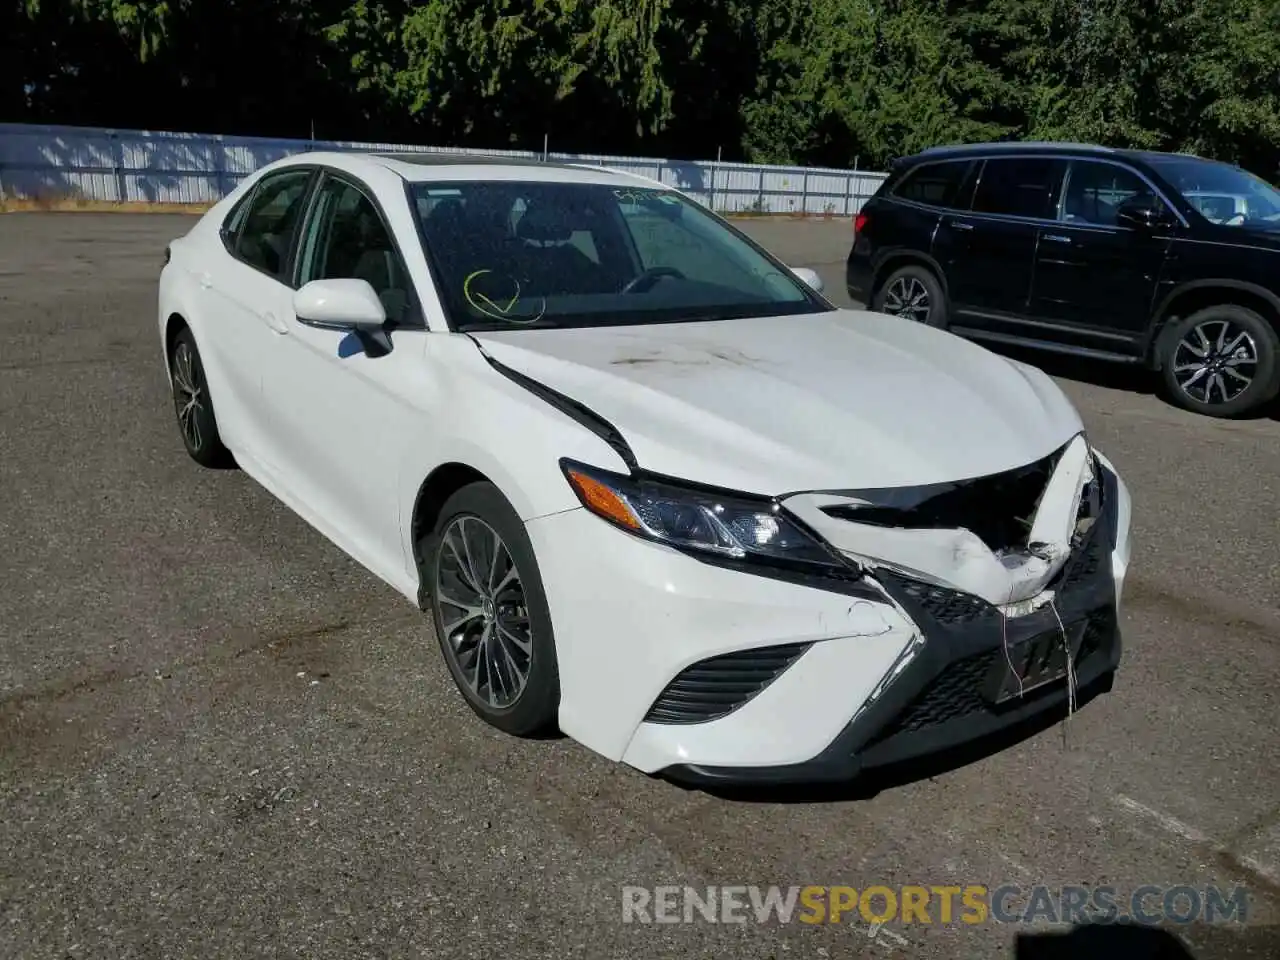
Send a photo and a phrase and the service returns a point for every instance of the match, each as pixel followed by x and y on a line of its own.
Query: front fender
pixel 501 430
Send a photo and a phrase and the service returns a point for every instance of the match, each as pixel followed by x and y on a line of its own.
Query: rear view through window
pixel 562 254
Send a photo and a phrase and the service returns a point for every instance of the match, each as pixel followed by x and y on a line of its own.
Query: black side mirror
pixel 1142 213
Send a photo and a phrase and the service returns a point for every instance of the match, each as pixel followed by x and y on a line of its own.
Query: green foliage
pixel 810 81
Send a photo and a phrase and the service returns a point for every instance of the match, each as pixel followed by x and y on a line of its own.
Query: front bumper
pixel 840 681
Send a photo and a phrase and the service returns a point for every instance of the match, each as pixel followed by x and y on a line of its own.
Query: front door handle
pixel 1056 238
pixel 959 225
pixel 206 281
pixel 275 323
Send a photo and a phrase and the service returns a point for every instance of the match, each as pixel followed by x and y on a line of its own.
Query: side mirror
pixel 1142 213
pixel 810 277
pixel 350 305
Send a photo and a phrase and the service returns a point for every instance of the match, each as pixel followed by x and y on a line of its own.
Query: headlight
pixel 729 526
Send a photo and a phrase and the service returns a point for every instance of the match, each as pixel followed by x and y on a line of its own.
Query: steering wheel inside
pixel 647 280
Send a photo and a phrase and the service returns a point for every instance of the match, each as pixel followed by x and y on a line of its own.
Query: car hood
pixel 825 401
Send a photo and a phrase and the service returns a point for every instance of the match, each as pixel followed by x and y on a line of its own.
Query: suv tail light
pixel 859 222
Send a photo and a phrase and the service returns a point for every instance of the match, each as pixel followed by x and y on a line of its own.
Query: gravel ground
pixel 219 737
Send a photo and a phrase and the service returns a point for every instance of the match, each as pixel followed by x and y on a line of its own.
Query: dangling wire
pixel 1071 670
pixel 1004 641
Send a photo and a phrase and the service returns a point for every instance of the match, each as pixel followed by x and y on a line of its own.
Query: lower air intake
pixel 714 688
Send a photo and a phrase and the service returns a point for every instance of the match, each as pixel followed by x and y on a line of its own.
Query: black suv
pixel 1161 259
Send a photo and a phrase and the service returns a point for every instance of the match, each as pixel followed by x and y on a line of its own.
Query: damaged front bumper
pixel 956 683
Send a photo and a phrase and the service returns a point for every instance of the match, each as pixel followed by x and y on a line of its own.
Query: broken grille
pixel 947 606
pixel 957 692
pixel 997 508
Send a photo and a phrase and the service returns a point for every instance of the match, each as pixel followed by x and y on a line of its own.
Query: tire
pixel 193 406
pixel 916 285
pixel 465 619
pixel 1220 392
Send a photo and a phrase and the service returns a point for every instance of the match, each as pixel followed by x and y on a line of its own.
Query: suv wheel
pixel 1223 361
pixel 913 293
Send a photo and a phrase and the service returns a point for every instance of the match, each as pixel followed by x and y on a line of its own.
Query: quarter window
pixel 269 226
pixel 346 239
pixel 1021 187
pixel 937 184
pixel 1095 190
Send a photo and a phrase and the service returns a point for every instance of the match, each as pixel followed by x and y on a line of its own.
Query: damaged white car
pixel 650 485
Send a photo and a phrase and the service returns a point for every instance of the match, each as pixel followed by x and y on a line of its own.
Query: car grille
pixel 948 606
pixel 714 688
pixel 957 692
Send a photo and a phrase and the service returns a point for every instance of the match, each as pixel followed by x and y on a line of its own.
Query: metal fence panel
pixel 133 165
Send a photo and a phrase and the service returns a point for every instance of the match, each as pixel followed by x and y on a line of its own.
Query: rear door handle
pixel 1056 238
pixel 206 281
pixel 959 225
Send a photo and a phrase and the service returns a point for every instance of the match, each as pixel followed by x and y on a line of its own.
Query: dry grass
pixel 82 205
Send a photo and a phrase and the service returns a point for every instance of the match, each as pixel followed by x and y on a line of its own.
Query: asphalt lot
pixel 219 737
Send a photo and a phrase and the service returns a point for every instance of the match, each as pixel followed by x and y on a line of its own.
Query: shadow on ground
pixel 1223 941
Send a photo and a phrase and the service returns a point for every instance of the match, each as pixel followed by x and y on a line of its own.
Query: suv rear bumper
pixel 858 276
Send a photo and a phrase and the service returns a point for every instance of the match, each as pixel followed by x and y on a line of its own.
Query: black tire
pixel 535 705
pixel 193 405
pixel 1256 356
pixel 907 289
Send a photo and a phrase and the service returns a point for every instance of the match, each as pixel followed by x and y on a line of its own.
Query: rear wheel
pixel 490 611
pixel 192 404
pixel 1222 361
pixel 914 293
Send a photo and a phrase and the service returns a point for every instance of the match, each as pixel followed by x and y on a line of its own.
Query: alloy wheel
pixel 188 395
pixel 1215 362
pixel 483 614
pixel 908 297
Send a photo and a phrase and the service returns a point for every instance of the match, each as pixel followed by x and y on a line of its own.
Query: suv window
pixel 937 184
pixel 267 234
pixel 346 239
pixel 1020 187
pixel 1094 191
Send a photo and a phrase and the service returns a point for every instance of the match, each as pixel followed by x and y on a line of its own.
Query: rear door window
pixel 265 239
pixel 944 184
pixel 1020 187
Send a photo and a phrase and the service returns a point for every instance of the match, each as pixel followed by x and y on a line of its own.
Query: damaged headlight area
pixel 724 525
pixel 1092 502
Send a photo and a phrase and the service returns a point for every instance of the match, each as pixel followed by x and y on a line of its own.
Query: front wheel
pixel 1222 361
pixel 914 293
pixel 490 611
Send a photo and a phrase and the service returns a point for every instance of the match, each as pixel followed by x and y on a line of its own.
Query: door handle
pixel 206 281
pixel 1056 238
pixel 959 225
pixel 275 323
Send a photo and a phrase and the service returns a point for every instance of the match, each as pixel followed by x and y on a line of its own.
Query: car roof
pixel 426 167
pixel 1045 147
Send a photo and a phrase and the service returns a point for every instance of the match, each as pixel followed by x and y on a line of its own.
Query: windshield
pixel 570 254
pixel 1222 193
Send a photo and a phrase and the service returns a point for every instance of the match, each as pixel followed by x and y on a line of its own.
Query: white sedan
pixel 651 486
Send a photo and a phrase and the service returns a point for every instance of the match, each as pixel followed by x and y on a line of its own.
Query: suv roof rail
pixel 1015 145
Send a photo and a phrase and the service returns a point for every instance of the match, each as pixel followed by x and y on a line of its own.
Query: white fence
pixel 134 165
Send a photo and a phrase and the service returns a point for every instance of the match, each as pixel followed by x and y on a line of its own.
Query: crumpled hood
pixel 774 405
